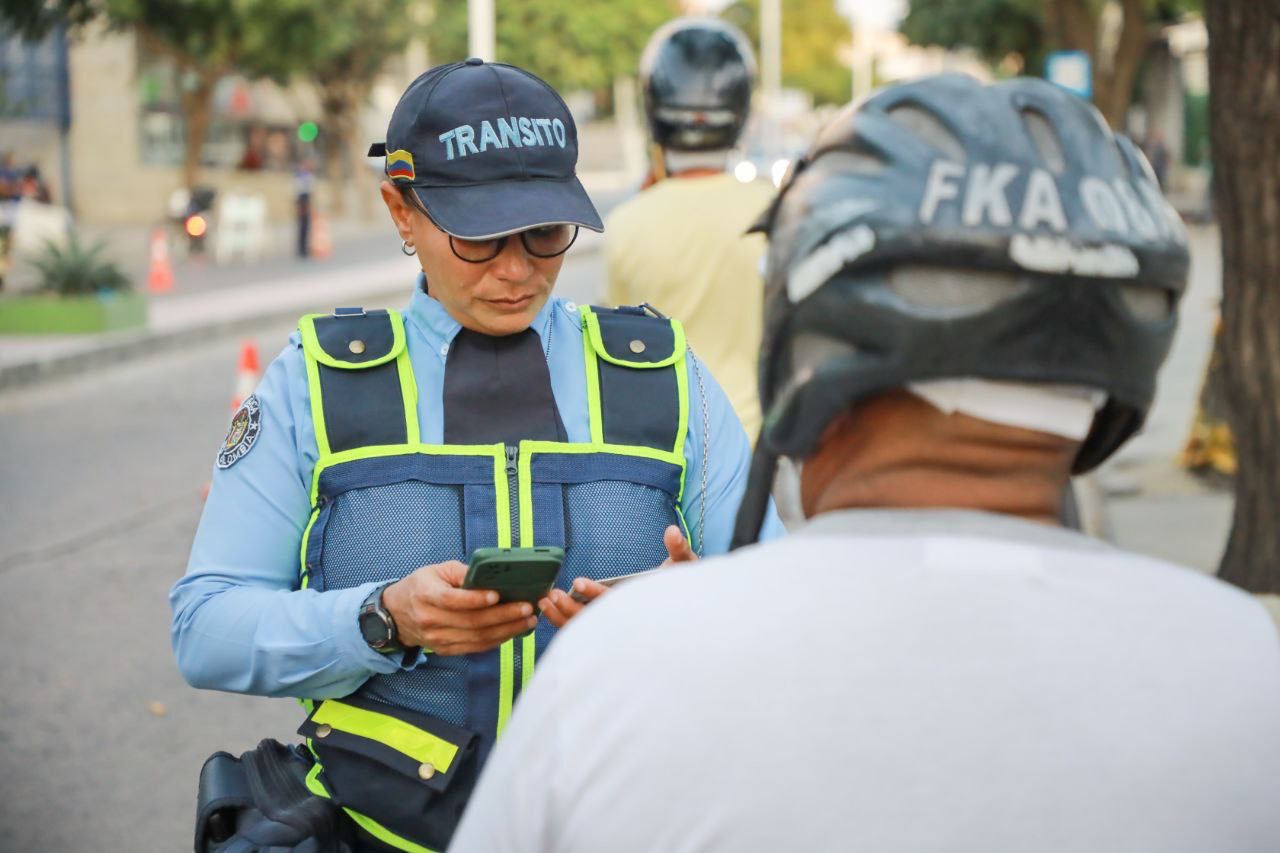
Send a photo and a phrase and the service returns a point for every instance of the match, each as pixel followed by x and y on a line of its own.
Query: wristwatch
pixel 376 625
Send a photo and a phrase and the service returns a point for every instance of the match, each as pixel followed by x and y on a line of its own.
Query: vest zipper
pixel 513 491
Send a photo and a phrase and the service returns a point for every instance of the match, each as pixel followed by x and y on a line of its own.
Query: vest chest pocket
pixel 385 516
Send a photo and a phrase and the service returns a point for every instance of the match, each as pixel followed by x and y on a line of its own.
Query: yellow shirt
pixel 680 246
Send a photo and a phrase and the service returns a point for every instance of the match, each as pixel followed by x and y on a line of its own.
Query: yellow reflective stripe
pixel 682 392
pixel 594 411
pixel 314 785
pixel 591 325
pixel 317 407
pixel 306 540
pixel 528 650
pixel 384 450
pixel 524 478
pixel 531 447
pixel 502 498
pixel 311 343
pixel 421 746
pixel 385 835
pixel 506 682
pixel 409 394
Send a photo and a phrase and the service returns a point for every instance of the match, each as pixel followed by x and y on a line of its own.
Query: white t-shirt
pixel 899 681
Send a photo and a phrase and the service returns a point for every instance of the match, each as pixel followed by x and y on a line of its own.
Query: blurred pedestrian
pixel 383 448
pixel 304 181
pixel 1157 152
pixel 932 664
pixel 32 186
pixel 10 178
pixel 681 244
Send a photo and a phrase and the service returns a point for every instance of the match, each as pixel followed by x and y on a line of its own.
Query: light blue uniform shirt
pixel 241 624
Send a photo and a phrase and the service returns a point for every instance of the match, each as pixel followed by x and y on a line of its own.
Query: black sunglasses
pixel 545 241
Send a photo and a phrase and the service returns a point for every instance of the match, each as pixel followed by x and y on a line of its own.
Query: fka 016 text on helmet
pixel 946 229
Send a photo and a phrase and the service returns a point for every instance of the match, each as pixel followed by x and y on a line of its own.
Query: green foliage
pixel 993 28
pixel 572 44
pixel 76 269
pixel 255 37
pixel 998 28
pixel 813 33
pixel 34 19
pixel 340 40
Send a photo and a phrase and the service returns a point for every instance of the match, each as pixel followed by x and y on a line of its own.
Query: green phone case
pixel 517 574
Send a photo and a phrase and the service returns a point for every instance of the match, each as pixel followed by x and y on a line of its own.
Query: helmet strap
pixel 755 501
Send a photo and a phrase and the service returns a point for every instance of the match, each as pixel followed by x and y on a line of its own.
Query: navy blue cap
pixel 489 149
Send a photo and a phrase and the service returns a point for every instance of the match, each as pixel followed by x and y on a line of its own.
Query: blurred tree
pixel 343 47
pixel 34 19
pixel 813 37
pixel 1244 80
pixel 208 39
pixel 1027 29
pixel 999 30
pixel 572 44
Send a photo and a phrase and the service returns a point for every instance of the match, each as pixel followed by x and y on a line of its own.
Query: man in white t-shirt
pixel 969 292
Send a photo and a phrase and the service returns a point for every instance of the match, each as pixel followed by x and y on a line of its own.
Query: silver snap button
pixel 425 772
pixel 637 346
pixel 324 730
pixel 356 347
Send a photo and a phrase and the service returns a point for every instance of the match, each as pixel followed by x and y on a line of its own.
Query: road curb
pixel 130 345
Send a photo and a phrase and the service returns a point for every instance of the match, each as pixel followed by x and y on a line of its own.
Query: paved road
pixel 100 739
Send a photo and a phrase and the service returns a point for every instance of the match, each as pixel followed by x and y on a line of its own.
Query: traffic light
pixel 308 131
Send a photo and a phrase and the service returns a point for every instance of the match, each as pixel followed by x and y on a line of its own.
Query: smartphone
pixel 516 574
pixel 612 582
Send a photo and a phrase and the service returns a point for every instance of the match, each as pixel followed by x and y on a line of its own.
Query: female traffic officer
pixel 382 448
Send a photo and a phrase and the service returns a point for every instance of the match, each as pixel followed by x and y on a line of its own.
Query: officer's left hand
pixel 559 607
pixel 678 548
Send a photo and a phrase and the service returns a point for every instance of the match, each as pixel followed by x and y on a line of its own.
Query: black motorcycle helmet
pixel 944 228
pixel 697 75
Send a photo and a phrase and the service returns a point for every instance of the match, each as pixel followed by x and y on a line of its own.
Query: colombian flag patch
pixel 400 166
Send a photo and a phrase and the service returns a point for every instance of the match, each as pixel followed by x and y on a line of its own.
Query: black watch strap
pixel 377 626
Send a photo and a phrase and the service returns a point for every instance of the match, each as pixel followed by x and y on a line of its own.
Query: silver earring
pixel 407 249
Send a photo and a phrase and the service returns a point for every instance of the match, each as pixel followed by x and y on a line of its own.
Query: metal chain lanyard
pixel 706 446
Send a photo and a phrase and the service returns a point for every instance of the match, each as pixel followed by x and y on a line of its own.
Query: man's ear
pixel 401 212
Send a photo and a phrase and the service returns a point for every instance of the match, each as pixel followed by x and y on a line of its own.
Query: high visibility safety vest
pixel 401 754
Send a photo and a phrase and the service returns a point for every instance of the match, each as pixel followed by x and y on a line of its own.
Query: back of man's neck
pixel 1027 494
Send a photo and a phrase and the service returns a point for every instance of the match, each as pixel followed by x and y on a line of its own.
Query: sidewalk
pixel 1152 505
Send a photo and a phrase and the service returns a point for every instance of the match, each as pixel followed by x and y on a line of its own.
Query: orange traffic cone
pixel 160 275
pixel 247 374
pixel 321 242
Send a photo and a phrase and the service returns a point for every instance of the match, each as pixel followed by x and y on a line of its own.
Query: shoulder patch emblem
pixel 246 423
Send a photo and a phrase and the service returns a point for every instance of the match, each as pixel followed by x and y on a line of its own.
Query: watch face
pixel 374 629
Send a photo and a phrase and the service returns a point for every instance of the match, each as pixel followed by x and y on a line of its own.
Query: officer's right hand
pixel 433 611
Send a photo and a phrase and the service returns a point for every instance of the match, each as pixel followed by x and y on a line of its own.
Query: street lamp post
pixel 771 69
pixel 480 29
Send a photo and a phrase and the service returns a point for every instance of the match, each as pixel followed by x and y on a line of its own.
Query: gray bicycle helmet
pixel 946 228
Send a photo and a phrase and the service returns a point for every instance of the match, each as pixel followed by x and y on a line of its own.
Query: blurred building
pixel 125 135
pixel 34 108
